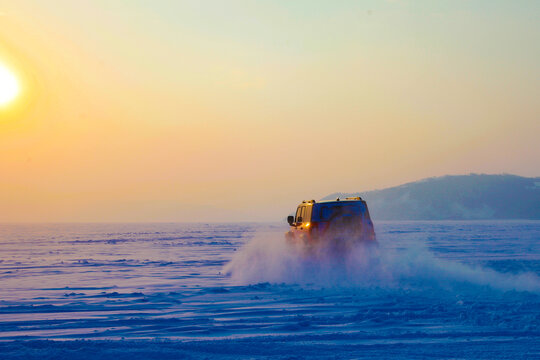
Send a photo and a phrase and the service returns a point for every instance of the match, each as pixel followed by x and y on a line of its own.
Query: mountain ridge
pixel 455 197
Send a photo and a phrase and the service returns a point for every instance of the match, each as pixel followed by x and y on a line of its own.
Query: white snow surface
pixel 158 291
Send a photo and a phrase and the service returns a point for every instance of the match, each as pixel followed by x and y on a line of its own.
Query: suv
pixel 331 222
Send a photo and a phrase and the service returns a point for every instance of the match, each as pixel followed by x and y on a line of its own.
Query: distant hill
pixel 459 197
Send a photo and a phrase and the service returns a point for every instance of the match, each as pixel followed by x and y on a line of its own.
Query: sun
pixel 9 86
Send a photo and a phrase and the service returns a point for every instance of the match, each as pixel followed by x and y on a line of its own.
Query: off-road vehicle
pixel 339 223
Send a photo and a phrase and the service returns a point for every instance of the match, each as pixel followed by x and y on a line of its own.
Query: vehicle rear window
pixel 329 211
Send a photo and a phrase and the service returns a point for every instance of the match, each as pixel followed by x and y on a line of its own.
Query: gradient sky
pixel 237 110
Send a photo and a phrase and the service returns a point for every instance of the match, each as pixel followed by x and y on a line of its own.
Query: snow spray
pixel 269 258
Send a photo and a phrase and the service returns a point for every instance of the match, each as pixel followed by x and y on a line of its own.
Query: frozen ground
pixel 168 291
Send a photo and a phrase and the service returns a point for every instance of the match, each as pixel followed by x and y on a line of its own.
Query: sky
pixel 238 110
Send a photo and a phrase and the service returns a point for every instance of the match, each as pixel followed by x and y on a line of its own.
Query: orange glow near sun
pixel 9 86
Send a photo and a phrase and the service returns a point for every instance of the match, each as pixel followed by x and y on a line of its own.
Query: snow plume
pixel 269 258
pixel 419 267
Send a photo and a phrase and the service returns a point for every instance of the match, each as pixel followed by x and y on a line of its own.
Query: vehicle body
pixel 342 223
